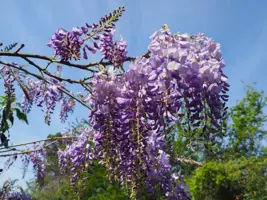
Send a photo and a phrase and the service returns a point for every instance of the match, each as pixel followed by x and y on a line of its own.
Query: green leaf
pixel 9 47
pixel 11 118
pixel 91 143
pixel 21 116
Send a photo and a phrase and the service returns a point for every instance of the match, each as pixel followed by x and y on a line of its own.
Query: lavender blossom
pixel 67 106
pixel 47 95
pixel 134 113
pixel 8 192
pixel 77 155
pixel 115 52
pixel 67 44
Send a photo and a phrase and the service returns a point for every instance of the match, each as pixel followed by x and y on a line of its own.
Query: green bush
pixel 244 179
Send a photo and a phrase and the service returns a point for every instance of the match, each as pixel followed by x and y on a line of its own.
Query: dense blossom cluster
pixel 37 158
pixel 115 52
pixel 77 154
pixel 128 119
pixel 137 109
pixel 195 65
pixel 68 44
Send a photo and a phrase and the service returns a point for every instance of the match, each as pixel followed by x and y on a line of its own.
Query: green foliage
pixel 9 47
pixel 246 132
pixel 239 169
pixel 97 187
pixel 7 107
pixel 236 179
pixel 21 116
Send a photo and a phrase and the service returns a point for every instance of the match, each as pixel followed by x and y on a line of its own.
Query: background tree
pixel 238 171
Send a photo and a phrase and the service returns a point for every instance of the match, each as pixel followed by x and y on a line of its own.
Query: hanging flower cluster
pixel 41 93
pixel 115 52
pixel 134 112
pixel 8 78
pixel 9 192
pixel 37 158
pixel 68 44
pixel 77 154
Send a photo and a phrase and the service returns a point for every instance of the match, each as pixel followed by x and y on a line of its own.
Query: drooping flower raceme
pixel 124 117
pixel 115 52
pixel 8 192
pixel 134 112
pixel 68 44
pixel 78 154
pixel 195 64
pixel 42 94
pixel 47 95
pixel 67 106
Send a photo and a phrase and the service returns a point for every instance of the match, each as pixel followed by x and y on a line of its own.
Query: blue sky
pixel 239 25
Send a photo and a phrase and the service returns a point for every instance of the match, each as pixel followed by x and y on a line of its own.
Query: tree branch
pixel 54 76
pixel 37 141
pixel 42 78
pixel 26 152
pixel 67 63
pixel 189 161
pixel 33 142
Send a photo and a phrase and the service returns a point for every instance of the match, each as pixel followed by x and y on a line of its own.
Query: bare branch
pixel 53 76
pixel 26 152
pixel 189 161
pixel 45 80
pixel 67 63
pixel 21 46
pixel 44 140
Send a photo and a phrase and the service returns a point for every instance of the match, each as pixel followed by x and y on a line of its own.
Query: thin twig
pixel 51 75
pixel 44 140
pixel 13 149
pixel 189 161
pixel 67 63
pixel 45 80
pixel 26 152
pixel 21 46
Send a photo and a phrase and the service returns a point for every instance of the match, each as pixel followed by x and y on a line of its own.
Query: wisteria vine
pixel 133 113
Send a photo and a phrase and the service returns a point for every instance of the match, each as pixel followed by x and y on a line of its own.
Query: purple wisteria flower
pixel 66 44
pixel 47 95
pixel 128 118
pixel 115 52
pixel 67 106
pixel 78 155
pixel 134 113
pixel 8 192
